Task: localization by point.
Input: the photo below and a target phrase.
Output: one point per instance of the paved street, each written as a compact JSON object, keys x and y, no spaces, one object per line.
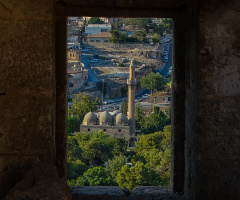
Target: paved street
{"x":92,"y":77}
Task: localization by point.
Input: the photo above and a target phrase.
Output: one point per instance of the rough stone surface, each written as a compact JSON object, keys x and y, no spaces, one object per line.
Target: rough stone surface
{"x":116,"y":193}
{"x":41,"y":182}
{"x":154,"y":193}
{"x":97,"y":193}
{"x":206,"y":88}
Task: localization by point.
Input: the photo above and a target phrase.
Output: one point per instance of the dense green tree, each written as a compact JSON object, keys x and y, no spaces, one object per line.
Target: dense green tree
{"x":140,"y":23}
{"x":82,"y":104}
{"x":118,"y":37}
{"x":124,"y":106}
{"x":164,"y":27}
{"x":139,"y":115}
{"x":97,"y":148}
{"x":153,"y":81}
{"x":155,"y":38}
{"x":139,"y":175}
{"x":98,"y":176}
{"x":95,"y":20}
{"x":120,"y":146}
{"x":155,"y":151}
{"x":73,"y":124}
{"x":141,"y":36}
{"x":73,"y":149}
{"x":114,"y":165}
{"x":154,"y":122}
{"x":75,"y":169}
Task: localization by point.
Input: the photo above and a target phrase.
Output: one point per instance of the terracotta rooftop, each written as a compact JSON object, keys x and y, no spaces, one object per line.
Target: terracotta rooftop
{"x":100,"y":35}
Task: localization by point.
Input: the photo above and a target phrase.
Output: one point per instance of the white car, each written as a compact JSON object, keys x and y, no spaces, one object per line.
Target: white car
{"x":94,"y":61}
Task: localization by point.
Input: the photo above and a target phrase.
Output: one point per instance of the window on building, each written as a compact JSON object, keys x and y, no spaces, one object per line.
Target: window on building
{"x":97,"y":40}
{"x":88,"y":129}
{"x":119,"y":130}
{"x":104,"y":130}
{"x":105,"y":40}
{"x":91,"y":40}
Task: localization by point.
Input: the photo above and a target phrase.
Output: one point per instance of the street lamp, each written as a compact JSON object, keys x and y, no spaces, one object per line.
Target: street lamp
{"x":102,"y":89}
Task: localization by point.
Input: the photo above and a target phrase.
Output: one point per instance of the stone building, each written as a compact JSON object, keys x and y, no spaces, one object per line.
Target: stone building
{"x":114,"y":124}
{"x":99,"y":38}
{"x":205,"y":97}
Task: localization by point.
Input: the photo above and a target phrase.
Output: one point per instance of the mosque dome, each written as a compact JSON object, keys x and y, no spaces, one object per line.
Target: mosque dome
{"x":121,"y":119}
{"x":105,"y":118}
{"x":90,"y":117}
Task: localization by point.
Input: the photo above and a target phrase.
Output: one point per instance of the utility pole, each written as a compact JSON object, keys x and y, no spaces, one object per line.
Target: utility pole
{"x":151,"y":89}
{"x":102,"y":89}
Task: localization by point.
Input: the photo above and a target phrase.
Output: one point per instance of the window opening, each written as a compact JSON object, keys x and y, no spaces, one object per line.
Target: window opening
{"x":124,"y":75}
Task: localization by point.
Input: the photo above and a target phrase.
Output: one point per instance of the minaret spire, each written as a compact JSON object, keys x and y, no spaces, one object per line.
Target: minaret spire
{"x":131,"y":97}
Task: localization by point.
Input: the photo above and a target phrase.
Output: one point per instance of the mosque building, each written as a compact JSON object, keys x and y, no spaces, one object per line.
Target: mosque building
{"x":115,"y":123}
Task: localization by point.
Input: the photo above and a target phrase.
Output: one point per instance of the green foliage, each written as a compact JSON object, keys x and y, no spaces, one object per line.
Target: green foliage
{"x":155,"y":151}
{"x":97,"y":148}
{"x":114,"y":165}
{"x":164,"y":27}
{"x":140,"y":23}
{"x":140,"y":36}
{"x":153,"y":81}
{"x":150,"y":141}
{"x":139,"y":115}
{"x":97,"y":176}
{"x":139,"y":175}
{"x":73,"y":124}
{"x":82,"y":104}
{"x":124,"y":106}
{"x":155,"y":38}
{"x":154,"y":122}
{"x":118,"y":37}
{"x":95,"y":20}
{"x":73,"y":149}
{"x":120,"y":146}
{"x":75,"y":169}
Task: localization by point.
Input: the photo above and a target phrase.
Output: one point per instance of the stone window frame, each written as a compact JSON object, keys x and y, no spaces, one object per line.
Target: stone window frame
{"x":62,"y":11}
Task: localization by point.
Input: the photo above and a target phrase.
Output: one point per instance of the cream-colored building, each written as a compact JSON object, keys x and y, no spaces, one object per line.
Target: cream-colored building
{"x":99,"y":38}
{"x":114,"y":124}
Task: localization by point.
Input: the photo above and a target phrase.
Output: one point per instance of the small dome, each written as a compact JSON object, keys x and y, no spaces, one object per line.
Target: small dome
{"x":121,"y":118}
{"x":105,"y":118}
{"x":90,"y":117}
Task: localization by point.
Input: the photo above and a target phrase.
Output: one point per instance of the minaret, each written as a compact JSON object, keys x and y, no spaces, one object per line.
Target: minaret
{"x":131,"y":98}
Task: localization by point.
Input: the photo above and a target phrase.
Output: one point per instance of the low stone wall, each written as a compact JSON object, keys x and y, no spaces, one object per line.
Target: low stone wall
{"x":116,"y":193}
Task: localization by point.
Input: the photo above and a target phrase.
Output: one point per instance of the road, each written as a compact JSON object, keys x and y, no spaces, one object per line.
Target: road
{"x":92,"y":77}
{"x":165,"y":70}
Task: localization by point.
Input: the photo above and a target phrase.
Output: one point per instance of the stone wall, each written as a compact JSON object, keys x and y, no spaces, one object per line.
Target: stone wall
{"x":27,"y":89}
{"x":206,"y":90}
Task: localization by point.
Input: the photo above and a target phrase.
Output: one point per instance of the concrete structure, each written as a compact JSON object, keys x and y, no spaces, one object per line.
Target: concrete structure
{"x":99,"y":38}
{"x":76,"y":79}
{"x":97,"y":28}
{"x":205,"y":94}
{"x":131,"y":97}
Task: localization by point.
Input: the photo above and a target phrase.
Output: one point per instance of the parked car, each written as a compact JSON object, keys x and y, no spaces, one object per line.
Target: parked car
{"x":165,"y":60}
{"x":95,"y":56}
{"x":90,"y":49}
{"x":84,"y":50}
{"x":94,"y":61}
